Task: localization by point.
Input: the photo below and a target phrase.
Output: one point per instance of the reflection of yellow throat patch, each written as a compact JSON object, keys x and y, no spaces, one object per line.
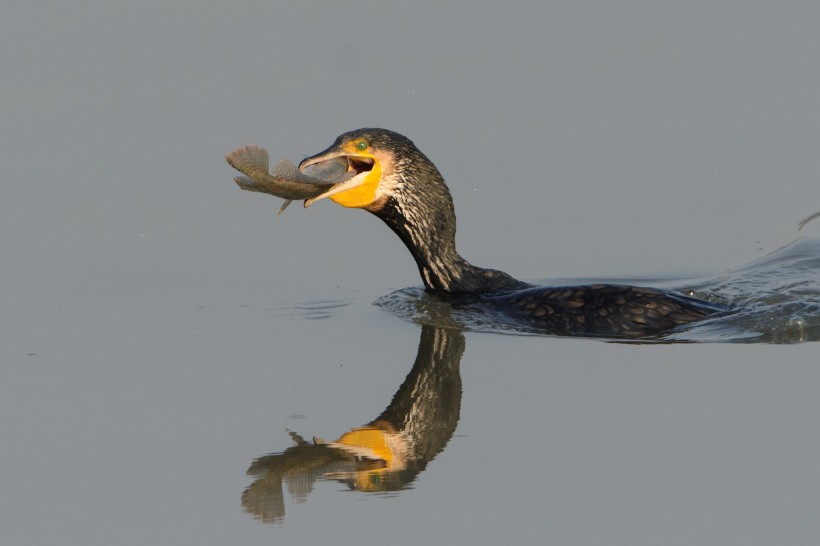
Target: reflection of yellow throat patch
{"x":363,"y":195}
{"x":372,"y":440}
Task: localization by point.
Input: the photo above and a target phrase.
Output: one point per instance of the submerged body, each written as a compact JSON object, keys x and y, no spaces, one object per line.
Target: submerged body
{"x":391,"y":178}
{"x":600,"y":309}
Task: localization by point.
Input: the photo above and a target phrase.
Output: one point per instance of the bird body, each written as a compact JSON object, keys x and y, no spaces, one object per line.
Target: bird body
{"x":601,"y":309}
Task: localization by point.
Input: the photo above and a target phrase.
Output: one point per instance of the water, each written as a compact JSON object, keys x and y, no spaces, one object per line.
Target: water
{"x":778,"y":297}
{"x":162,"y":332}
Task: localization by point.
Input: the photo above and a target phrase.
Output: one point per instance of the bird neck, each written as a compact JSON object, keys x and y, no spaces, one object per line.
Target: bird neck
{"x":425,"y":221}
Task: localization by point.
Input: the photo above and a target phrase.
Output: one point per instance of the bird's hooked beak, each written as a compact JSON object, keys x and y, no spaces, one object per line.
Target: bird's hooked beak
{"x":358,"y":184}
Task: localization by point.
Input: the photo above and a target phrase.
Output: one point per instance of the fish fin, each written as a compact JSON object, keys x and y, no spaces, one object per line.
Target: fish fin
{"x":249,"y":160}
{"x":284,"y":206}
{"x":285,"y":168}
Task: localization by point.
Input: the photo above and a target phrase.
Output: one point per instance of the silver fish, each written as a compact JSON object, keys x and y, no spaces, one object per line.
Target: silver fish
{"x":286,"y":181}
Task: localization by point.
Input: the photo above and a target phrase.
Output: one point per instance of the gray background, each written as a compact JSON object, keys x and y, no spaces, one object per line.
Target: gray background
{"x":152,"y":337}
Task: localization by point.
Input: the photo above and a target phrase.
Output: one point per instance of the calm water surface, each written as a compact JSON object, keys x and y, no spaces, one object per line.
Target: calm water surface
{"x":178,"y":416}
{"x":178,"y":366}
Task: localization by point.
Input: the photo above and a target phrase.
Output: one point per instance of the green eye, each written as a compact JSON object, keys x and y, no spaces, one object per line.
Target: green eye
{"x":362,"y":145}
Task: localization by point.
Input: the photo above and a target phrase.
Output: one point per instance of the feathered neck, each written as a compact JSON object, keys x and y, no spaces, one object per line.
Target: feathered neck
{"x":420,"y":210}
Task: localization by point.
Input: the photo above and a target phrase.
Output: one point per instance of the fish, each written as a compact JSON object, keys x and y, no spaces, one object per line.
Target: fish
{"x":286,"y":180}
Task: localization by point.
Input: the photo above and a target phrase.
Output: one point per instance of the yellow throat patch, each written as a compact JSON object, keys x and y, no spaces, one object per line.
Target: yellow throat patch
{"x":364,"y":194}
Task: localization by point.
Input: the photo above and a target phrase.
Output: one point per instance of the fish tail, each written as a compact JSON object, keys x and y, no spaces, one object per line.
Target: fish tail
{"x":250,"y":160}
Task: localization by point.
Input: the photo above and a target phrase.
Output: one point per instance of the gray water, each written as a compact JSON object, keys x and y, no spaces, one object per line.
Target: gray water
{"x":165,"y":338}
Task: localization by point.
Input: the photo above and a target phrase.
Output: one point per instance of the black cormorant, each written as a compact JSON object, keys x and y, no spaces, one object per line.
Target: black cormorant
{"x":395,"y":181}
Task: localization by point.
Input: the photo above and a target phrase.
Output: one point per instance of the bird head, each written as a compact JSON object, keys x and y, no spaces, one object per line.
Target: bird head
{"x":376,"y":159}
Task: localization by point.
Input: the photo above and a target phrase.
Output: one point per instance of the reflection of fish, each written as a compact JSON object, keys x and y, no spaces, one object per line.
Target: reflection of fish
{"x":286,"y":181}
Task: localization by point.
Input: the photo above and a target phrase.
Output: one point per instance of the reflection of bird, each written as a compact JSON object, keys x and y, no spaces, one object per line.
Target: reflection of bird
{"x":383,"y":455}
{"x":399,"y":184}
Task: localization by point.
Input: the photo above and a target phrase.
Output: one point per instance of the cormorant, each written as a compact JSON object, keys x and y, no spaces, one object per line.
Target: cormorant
{"x":395,"y":181}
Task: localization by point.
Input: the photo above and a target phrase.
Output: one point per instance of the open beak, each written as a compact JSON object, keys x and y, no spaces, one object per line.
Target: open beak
{"x":327,"y":164}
